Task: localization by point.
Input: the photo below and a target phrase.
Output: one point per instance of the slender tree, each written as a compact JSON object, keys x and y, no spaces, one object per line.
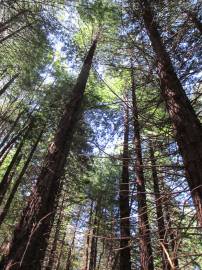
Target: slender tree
{"x":146,"y":256}
{"x":187,"y":128}
{"x":31,"y":234}
{"x":159,"y":211}
{"x":7,"y":205}
{"x":5,"y":182}
{"x":124,"y":203}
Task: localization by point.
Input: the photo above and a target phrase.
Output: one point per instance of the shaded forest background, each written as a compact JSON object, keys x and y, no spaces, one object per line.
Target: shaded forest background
{"x":100,"y":138}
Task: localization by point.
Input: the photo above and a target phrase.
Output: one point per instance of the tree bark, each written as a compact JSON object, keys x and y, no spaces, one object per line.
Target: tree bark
{"x":146,"y":256}
{"x":187,"y":128}
{"x":19,"y":179}
{"x":171,"y":233}
{"x":159,"y":211}
{"x":31,"y":234}
{"x":56,"y":236}
{"x":124,"y":204}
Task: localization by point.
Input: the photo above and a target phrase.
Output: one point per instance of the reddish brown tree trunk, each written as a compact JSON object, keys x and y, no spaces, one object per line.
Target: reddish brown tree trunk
{"x":18,"y":180}
{"x":187,"y":128}
{"x":31,"y":234}
{"x":146,"y":256}
{"x":171,"y":233}
{"x":159,"y":211}
{"x":51,"y":259}
{"x":124,"y":200}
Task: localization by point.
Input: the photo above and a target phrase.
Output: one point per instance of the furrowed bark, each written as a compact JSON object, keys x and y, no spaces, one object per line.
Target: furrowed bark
{"x":31,"y":234}
{"x":187,"y":127}
{"x":51,"y":260}
{"x":159,"y":210}
{"x":146,"y":256}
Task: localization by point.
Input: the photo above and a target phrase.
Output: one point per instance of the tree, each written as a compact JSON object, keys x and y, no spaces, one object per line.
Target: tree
{"x":124,"y":201}
{"x":181,"y":113}
{"x":40,"y":209}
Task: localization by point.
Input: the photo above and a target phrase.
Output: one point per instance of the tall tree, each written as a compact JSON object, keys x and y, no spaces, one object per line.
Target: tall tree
{"x":124,"y":200}
{"x":187,"y":128}
{"x":146,"y":256}
{"x":31,"y":234}
{"x":159,"y":210}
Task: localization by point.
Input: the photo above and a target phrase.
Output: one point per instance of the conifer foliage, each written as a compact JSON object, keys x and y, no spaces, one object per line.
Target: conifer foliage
{"x":100,"y":135}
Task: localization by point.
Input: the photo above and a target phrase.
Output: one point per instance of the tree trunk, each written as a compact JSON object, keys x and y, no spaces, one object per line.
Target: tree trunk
{"x":12,"y":141}
{"x":56,"y":236}
{"x":171,"y":233}
{"x":93,"y":249}
{"x":5,"y":183}
{"x":125,"y":256}
{"x":5,"y":139}
{"x":8,"y":84}
{"x":187,"y":128}
{"x":88,"y":238}
{"x":4,"y":25}
{"x":19,"y":179}
{"x":31,"y":234}
{"x":159,"y":211}
{"x":146,"y":256}
{"x":15,"y":32}
{"x":71,"y":247}
{"x":61,"y":252}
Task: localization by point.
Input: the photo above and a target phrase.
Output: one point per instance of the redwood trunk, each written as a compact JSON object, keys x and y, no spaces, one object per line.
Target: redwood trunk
{"x":159,"y":211}
{"x":146,"y":256}
{"x":125,"y":256}
{"x":31,"y":234}
{"x":52,"y":254}
{"x":187,"y":128}
{"x":171,"y":233}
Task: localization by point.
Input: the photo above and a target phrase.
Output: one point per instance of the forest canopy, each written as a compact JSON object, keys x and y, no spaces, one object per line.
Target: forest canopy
{"x":101,"y":135}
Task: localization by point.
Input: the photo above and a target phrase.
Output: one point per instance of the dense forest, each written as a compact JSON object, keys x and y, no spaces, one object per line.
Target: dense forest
{"x":100,"y":138}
